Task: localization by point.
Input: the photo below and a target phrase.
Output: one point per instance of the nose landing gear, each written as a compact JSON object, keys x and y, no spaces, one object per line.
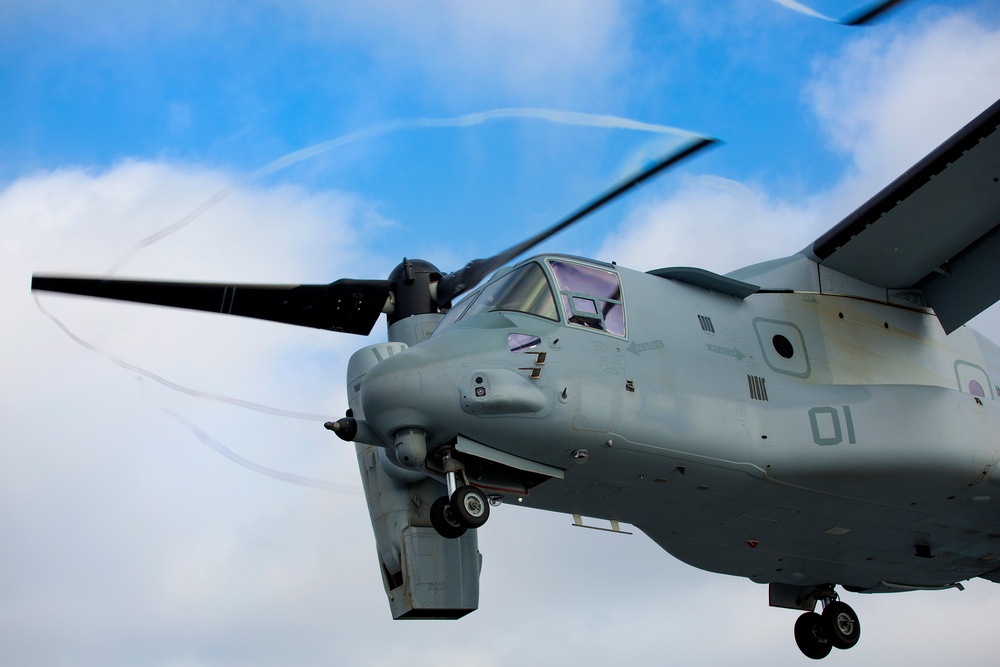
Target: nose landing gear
{"x":471,"y":506}
{"x":837,"y":627}
{"x":445,"y":520}
{"x":810,"y":636}
{"x":464,"y":507}
{"x":842,"y":625}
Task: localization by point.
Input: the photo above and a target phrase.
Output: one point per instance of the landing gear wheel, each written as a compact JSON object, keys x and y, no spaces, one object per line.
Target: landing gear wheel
{"x":841,"y":625}
{"x":444,"y":520}
{"x":470,"y":506}
{"x":810,"y":636}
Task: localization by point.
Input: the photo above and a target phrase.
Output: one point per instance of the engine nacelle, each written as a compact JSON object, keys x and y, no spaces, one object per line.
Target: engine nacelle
{"x":425,"y":575}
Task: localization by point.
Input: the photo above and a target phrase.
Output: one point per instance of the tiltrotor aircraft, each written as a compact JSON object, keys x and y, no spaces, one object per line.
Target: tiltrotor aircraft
{"x":821,"y":420}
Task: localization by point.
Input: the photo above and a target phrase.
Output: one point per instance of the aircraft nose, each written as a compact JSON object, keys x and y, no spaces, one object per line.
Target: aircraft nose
{"x":408,"y":391}
{"x":421,"y":397}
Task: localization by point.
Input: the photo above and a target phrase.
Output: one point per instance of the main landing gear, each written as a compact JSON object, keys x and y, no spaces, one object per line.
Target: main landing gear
{"x":464,"y":507}
{"x":837,"y":627}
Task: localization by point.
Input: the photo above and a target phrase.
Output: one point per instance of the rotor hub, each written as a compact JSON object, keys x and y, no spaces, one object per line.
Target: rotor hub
{"x":414,"y":285}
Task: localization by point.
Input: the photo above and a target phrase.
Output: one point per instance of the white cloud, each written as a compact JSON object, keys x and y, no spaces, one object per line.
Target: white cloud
{"x":886,"y":100}
{"x":123,"y":535}
{"x":889,"y":99}
{"x":117,"y":22}
{"x":540,"y":50}
{"x":545,"y":51}
{"x":711,"y":223}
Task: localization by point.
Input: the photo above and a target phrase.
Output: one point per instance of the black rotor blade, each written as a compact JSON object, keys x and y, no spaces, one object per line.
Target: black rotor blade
{"x":466,"y":278}
{"x":871,"y":13}
{"x":350,"y":306}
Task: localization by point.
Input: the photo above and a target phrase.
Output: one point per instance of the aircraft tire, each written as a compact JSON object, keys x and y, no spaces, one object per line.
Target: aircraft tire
{"x":842,"y":626}
{"x":470,"y":506}
{"x":444,"y":520}
{"x":810,"y":636}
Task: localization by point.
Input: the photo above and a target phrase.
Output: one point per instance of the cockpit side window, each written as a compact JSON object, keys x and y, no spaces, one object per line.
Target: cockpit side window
{"x":526,"y":289}
{"x":592,"y":297}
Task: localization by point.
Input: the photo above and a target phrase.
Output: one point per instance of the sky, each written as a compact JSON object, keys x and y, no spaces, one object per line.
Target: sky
{"x":128,"y":532}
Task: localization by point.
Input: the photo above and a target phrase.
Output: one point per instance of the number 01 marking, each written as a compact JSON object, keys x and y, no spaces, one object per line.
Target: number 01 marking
{"x":825,"y":422}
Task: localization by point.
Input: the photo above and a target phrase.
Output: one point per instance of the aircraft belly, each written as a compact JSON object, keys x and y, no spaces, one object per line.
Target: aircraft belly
{"x":910,"y":496}
{"x":813,"y":547}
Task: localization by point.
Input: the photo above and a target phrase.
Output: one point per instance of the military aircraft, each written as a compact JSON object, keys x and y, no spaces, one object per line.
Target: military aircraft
{"x":815,"y":421}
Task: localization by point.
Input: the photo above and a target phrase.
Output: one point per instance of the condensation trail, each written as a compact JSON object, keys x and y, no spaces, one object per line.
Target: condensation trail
{"x":550,"y":115}
{"x":204,"y":437}
{"x":217,"y":446}
{"x":802,"y":9}
{"x":220,"y":398}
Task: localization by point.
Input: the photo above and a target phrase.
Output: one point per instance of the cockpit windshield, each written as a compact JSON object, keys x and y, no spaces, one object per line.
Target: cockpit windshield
{"x":523,"y":290}
{"x":456,"y":312}
{"x":591,"y":297}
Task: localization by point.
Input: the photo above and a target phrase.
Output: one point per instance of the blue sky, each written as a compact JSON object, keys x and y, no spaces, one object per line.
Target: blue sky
{"x":127,"y":540}
{"x":235,"y":86}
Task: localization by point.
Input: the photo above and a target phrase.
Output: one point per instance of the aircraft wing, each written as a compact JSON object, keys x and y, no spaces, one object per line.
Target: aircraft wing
{"x":936,"y":228}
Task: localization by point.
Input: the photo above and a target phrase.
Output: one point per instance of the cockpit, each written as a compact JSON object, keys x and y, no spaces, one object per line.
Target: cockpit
{"x":553,"y":288}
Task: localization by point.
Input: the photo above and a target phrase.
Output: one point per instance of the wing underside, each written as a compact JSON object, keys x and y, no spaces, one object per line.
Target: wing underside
{"x":936,"y":228}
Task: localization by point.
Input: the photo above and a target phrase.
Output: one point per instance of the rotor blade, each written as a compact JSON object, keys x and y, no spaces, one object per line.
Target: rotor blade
{"x":466,"y":278}
{"x":350,"y":306}
{"x":871,"y":13}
